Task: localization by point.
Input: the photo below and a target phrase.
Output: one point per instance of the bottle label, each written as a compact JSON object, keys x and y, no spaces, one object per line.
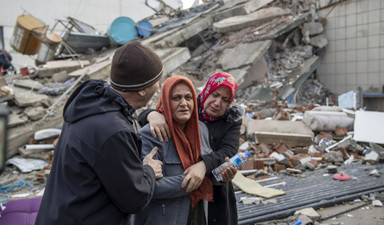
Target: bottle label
{"x":237,"y":163}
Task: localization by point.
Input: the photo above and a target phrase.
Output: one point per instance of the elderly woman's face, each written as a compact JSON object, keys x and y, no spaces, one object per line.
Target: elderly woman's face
{"x":217,"y":102}
{"x":181,"y":104}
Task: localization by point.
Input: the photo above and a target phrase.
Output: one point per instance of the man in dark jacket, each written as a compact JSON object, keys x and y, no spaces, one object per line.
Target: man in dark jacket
{"x":97,"y":175}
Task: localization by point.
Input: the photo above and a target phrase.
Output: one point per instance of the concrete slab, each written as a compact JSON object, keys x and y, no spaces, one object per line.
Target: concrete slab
{"x":256,"y":74}
{"x":297,"y":78}
{"x":291,"y":133}
{"x":176,"y":36}
{"x":253,"y":19}
{"x":319,"y":41}
{"x":20,"y":135}
{"x":15,"y":120}
{"x":173,"y":58}
{"x":327,"y":121}
{"x":94,"y":71}
{"x":250,"y":54}
{"x":51,"y":67}
{"x":30,"y":99}
{"x":35,"y":113}
{"x":313,"y":28}
{"x":29,"y":84}
{"x":240,"y":9}
{"x":282,"y":26}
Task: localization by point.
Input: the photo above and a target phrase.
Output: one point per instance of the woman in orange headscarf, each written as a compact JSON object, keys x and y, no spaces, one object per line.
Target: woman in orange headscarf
{"x":223,"y":120}
{"x":171,"y":203}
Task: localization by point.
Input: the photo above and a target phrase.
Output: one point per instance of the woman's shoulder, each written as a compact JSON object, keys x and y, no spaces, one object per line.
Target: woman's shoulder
{"x":145,"y":134}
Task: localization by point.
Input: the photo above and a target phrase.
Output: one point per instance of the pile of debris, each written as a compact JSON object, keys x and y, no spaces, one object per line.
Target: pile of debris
{"x":272,"y":48}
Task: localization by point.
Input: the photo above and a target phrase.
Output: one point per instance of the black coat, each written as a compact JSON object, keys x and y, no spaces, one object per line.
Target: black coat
{"x":224,"y":135}
{"x":97,"y":176}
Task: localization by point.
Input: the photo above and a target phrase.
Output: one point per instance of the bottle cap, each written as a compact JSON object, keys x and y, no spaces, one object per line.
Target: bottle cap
{"x":247,"y":153}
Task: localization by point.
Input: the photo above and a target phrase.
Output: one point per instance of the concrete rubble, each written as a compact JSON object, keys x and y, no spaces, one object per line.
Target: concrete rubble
{"x":292,"y":124}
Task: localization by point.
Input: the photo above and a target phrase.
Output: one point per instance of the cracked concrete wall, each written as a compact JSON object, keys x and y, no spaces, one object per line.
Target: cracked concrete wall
{"x":355,"y":53}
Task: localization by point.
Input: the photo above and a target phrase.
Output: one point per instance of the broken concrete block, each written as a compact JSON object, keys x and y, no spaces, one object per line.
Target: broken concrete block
{"x":277,"y":156}
{"x":291,"y":133}
{"x":319,"y":41}
{"x":60,"y":76}
{"x":56,"y":66}
{"x":308,"y":51}
{"x":327,"y":121}
{"x":347,"y":100}
{"x":16,"y":120}
{"x":333,"y":157}
{"x":372,"y":157}
{"x":245,"y":146}
{"x":30,"y":99}
{"x":299,"y":159}
{"x":259,"y":92}
{"x":94,"y":71}
{"x":313,"y":28}
{"x":256,"y":18}
{"x":35,"y":113}
{"x":310,"y":212}
{"x":250,"y":53}
{"x":328,"y":109}
{"x":29,"y":84}
{"x":255,"y":75}
{"x":172,"y":58}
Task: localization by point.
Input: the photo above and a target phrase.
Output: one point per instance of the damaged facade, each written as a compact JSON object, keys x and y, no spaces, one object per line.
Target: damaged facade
{"x":278,"y":53}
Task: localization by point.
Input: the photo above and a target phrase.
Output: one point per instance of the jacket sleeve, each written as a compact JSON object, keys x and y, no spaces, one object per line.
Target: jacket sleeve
{"x":129,"y":184}
{"x":228,"y":146}
{"x":167,"y":186}
{"x":170,"y":187}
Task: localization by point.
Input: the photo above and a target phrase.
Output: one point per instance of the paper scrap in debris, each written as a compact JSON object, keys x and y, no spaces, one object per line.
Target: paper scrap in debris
{"x":252,"y":187}
{"x":367,"y":127}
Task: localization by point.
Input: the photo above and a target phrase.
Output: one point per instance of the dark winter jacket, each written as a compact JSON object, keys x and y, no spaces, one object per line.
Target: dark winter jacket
{"x":97,"y":176}
{"x":224,"y":135}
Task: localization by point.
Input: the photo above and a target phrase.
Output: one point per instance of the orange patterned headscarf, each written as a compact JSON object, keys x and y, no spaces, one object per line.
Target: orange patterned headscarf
{"x":187,"y":143}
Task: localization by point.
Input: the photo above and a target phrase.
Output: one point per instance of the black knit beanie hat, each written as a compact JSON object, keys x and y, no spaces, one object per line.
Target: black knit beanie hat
{"x":134,"y":67}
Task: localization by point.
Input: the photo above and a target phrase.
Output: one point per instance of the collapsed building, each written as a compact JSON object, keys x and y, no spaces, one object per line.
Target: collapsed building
{"x":292,"y":126}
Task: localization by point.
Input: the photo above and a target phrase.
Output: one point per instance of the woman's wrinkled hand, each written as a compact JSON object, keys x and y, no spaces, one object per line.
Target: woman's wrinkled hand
{"x":158,"y":126}
{"x":195,"y":176}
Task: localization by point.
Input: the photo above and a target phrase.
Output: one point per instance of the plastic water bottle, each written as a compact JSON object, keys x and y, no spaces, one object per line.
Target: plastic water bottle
{"x":237,"y":161}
